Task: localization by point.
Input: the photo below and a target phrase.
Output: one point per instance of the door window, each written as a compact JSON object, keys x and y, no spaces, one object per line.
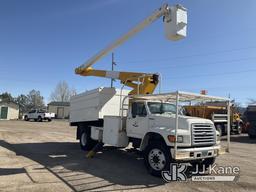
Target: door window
{"x":41,"y":111}
{"x":32,"y":111}
{"x":139,"y":109}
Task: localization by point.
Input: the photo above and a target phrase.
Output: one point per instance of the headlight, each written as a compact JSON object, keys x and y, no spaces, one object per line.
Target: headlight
{"x":172,"y":138}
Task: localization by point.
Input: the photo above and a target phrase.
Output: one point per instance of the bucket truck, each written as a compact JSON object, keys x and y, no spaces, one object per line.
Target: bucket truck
{"x":153,"y":123}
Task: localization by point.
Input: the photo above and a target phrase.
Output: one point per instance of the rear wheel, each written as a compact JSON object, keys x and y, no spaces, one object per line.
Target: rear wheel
{"x":39,"y":119}
{"x":49,"y":119}
{"x":157,"y":157}
{"x":86,"y":143}
{"x":26,"y":118}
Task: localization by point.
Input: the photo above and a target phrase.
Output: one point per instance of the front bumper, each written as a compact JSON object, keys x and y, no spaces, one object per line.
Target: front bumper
{"x":196,"y":153}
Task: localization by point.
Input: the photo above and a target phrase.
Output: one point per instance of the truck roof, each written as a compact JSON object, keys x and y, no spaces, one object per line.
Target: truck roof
{"x":183,"y":97}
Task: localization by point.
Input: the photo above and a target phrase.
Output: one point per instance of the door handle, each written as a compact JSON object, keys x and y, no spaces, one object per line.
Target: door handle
{"x":151,"y":118}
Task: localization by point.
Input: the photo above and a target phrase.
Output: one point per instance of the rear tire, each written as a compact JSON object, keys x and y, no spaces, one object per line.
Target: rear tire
{"x":39,"y":119}
{"x":26,"y":118}
{"x":86,"y":143}
{"x":49,"y":120}
{"x":157,"y":157}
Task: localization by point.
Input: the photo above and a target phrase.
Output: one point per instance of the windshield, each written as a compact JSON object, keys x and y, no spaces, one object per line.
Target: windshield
{"x":159,"y":108}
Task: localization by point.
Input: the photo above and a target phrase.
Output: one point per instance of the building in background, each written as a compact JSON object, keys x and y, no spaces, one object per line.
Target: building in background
{"x":61,"y":109}
{"x":8,"y":110}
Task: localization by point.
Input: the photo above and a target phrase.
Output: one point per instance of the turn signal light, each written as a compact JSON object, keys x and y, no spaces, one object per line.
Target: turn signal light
{"x":172,"y":138}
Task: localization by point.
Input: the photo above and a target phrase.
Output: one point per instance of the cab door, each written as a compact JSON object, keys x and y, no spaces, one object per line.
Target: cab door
{"x":31,"y":114}
{"x":137,"y":121}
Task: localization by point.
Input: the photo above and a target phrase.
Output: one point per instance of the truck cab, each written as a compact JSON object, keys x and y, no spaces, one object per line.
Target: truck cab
{"x":159,"y":117}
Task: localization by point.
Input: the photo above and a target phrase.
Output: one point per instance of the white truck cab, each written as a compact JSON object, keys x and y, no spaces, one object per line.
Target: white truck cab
{"x":110,"y":116}
{"x":159,"y":117}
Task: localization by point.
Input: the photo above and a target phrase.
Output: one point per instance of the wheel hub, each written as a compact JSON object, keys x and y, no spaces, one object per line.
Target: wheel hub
{"x":156,"y":159}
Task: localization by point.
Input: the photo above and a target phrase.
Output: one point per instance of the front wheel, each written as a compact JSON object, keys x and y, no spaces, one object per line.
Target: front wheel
{"x":157,"y":157}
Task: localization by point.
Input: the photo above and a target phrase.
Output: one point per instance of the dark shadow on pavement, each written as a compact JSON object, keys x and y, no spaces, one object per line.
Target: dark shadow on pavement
{"x":244,"y":138}
{"x":124,"y":169}
{"x":11,"y":171}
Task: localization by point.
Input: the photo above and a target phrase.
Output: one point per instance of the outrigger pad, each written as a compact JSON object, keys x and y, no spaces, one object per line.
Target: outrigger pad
{"x":95,"y":149}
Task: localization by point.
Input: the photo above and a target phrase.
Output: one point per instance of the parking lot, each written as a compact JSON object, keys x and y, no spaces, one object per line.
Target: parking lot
{"x":46,"y":157}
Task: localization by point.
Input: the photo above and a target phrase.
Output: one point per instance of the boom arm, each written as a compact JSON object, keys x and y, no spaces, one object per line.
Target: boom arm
{"x":175,"y":19}
{"x":142,"y":83}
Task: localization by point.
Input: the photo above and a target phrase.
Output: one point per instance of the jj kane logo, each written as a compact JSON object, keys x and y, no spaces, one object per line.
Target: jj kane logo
{"x":178,"y":172}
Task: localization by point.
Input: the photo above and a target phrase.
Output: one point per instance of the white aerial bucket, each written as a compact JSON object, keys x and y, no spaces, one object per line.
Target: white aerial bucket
{"x":175,"y":23}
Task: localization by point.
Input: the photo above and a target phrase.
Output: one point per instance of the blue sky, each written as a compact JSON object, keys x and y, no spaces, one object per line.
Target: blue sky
{"x":42,"y":42}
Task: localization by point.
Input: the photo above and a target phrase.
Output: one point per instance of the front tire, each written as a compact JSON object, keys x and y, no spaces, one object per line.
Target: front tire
{"x":157,"y":157}
{"x":86,"y":143}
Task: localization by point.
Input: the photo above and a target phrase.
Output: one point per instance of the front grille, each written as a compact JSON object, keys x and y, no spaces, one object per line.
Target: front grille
{"x":203,"y":134}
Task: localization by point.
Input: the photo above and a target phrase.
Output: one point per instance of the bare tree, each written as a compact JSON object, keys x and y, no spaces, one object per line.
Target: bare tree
{"x":62,"y":92}
{"x":72,"y":91}
{"x":237,"y":107}
{"x":23,"y":102}
{"x":35,"y":100}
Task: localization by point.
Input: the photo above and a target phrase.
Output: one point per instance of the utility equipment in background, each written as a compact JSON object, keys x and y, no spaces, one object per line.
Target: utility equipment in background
{"x":217,"y":112}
